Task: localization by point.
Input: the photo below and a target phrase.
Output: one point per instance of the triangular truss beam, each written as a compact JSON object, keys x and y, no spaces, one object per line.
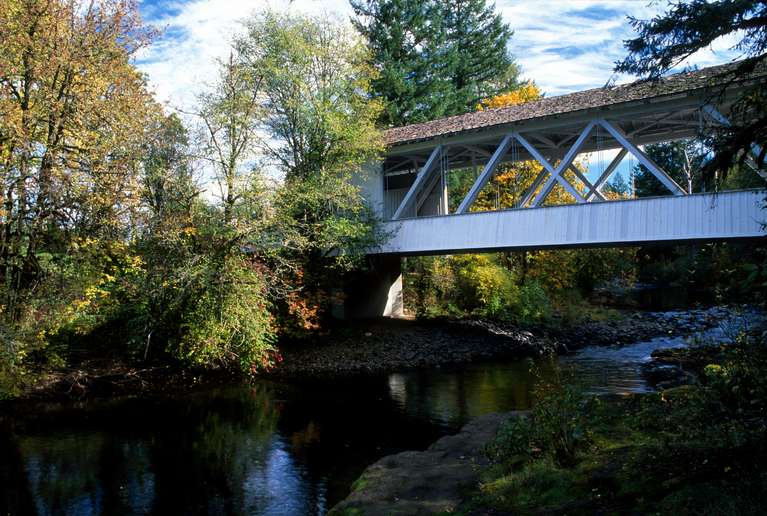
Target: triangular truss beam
{"x":547,"y":178}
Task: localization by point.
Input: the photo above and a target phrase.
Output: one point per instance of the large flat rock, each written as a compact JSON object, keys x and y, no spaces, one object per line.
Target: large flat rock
{"x":429,"y":482}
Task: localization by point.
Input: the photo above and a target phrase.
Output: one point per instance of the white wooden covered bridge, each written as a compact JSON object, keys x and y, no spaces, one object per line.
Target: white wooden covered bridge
{"x":409,"y":190}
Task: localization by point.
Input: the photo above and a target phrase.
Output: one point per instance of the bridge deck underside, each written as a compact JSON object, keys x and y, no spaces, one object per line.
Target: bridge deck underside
{"x":698,"y":217}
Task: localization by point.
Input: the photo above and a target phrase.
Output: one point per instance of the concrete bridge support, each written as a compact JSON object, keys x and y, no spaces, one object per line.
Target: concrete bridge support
{"x":374,"y":292}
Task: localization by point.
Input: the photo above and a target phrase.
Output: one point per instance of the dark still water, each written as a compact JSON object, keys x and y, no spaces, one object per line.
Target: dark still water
{"x":270,"y":448}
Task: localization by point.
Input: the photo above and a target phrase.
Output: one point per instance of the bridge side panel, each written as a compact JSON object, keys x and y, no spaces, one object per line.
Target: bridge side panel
{"x":370,"y":182}
{"x":697,"y":217}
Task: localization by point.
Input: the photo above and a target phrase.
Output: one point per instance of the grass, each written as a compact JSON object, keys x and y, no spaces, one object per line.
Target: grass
{"x":694,"y":449}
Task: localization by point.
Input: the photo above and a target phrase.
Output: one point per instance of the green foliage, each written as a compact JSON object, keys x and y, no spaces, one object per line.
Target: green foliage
{"x":682,"y":160}
{"x":315,"y":75}
{"x":397,"y":32}
{"x":480,"y":285}
{"x":698,"y":448}
{"x":229,"y":324}
{"x":75,"y":118}
{"x":736,"y":388}
{"x":534,"y":303}
{"x":555,"y":427}
{"x":543,"y":484}
{"x":665,"y":41}
{"x":524,"y":287}
{"x":512,"y":444}
{"x":324,"y":217}
{"x":717,"y":272}
{"x":485,"y":286}
{"x":437,"y":58}
{"x":203,"y":298}
{"x":139,"y":266}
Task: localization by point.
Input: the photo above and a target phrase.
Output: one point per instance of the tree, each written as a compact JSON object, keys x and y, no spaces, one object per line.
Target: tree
{"x":74,"y":118}
{"x":319,"y":122}
{"x":681,"y":159}
{"x":316,"y":77}
{"x":166,"y":241}
{"x":617,"y":187}
{"x":401,"y":36}
{"x":524,"y":92}
{"x":208,"y":294}
{"x":435,"y":58}
{"x":478,"y":63}
{"x":230,"y":113}
{"x":665,"y":41}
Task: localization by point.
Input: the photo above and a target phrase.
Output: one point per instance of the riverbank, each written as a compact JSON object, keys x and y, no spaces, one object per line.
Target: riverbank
{"x":697,"y":448}
{"x":391,"y":345}
{"x":382,"y":346}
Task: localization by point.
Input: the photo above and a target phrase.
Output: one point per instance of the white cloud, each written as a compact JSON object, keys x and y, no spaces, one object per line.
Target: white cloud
{"x":183,"y":61}
{"x":567,"y":46}
{"x":563,"y":45}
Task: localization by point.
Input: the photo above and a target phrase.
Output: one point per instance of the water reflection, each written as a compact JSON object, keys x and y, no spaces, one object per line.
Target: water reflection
{"x":267,"y":449}
{"x":452,"y":396}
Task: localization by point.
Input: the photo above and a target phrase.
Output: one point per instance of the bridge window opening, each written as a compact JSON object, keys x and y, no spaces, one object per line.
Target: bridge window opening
{"x":599,"y":160}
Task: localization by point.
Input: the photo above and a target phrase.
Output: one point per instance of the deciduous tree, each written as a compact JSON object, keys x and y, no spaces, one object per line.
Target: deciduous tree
{"x":74,"y":118}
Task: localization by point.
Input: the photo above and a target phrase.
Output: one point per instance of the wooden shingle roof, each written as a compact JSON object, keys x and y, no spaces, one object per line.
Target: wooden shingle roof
{"x":582,"y":100}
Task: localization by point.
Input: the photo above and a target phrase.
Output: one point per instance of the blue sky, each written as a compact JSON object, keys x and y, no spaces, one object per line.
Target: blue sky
{"x":563,"y":45}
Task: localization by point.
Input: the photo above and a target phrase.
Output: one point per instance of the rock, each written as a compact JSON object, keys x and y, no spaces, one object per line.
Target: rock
{"x":428,"y":482}
{"x":388,"y":345}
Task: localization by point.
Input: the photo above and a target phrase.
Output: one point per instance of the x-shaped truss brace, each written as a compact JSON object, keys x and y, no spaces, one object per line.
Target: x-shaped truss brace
{"x":555,"y":174}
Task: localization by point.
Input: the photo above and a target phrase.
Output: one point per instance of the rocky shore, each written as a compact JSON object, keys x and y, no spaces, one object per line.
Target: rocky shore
{"x":433,"y":481}
{"x":386,"y":345}
{"x":437,"y":480}
{"x":390,"y":345}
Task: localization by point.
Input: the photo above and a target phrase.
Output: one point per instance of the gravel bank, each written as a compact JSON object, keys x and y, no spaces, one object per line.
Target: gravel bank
{"x":390,"y":345}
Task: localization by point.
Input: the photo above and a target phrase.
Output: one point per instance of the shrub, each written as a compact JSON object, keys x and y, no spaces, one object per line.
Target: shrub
{"x":556,"y":426}
{"x":534,"y":303}
{"x":230,"y":324}
{"x":486,"y":288}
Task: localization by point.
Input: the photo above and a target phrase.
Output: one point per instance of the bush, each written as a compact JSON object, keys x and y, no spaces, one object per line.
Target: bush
{"x":534,"y":304}
{"x":555,"y":428}
{"x":481,"y":285}
{"x":485,"y":288}
{"x":230,"y":324}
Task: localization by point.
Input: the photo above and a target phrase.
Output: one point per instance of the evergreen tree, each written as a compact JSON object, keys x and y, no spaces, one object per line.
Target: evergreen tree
{"x":617,"y":186}
{"x":435,"y":58}
{"x":681,"y":159}
{"x":665,"y":41}
{"x":401,"y":35}
{"x":476,"y":55}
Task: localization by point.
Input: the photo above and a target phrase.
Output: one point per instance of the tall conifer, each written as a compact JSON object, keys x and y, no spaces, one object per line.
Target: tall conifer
{"x":436,"y":58}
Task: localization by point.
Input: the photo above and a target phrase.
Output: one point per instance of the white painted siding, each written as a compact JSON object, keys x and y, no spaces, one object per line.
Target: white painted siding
{"x":727,"y":215}
{"x":370,"y":182}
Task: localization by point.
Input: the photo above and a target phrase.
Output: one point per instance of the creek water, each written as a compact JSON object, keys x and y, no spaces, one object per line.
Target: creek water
{"x":268,"y":448}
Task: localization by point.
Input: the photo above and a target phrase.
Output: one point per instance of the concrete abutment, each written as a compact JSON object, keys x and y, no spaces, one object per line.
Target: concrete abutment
{"x":373,"y":292}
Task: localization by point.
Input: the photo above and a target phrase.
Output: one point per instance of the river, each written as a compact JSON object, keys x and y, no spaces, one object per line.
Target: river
{"x":269,"y":448}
